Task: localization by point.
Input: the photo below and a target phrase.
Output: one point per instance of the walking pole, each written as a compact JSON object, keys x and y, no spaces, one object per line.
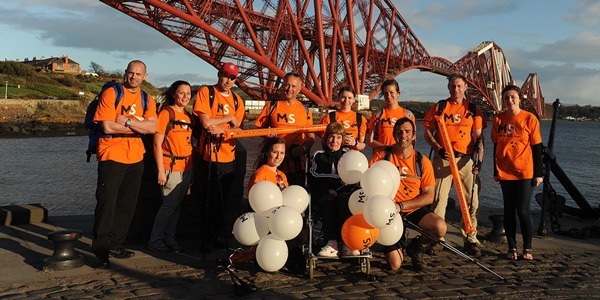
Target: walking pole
{"x":206,"y":201}
{"x":448,"y":246}
{"x":220,"y":192}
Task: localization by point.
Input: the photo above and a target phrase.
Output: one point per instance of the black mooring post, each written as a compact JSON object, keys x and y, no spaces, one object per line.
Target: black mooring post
{"x":542,"y":229}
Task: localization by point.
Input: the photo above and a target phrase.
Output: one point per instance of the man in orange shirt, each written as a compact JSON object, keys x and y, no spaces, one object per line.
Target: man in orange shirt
{"x":225,"y":110}
{"x":289,"y":112}
{"x":413,"y":197}
{"x":465,"y":129}
{"x":120,"y":166}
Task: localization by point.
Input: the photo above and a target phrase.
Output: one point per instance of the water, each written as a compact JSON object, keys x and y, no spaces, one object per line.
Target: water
{"x":53,"y":171}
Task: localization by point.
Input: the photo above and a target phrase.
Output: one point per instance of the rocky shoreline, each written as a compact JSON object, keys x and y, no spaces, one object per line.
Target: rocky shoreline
{"x":36,"y":128}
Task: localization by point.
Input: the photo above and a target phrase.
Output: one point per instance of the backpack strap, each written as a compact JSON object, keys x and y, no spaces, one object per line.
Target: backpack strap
{"x":472,"y":108}
{"x":332,"y":116}
{"x":378,"y":114}
{"x":358,"y":123}
{"x":440,"y":107}
{"x":409,"y":114}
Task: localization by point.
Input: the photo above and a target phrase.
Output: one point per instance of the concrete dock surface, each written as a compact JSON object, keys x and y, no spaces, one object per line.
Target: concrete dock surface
{"x":563,"y":267}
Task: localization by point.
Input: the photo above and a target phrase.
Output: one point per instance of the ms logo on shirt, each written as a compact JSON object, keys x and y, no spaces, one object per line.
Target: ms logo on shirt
{"x":128,"y":110}
{"x":288,"y":119}
{"x":507,"y":129}
{"x":224,"y":108}
{"x":456,"y":118}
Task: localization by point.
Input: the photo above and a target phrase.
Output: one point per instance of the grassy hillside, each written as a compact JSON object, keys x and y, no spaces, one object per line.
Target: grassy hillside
{"x":25,"y":83}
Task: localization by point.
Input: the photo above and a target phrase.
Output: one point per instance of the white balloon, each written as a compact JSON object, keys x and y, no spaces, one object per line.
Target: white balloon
{"x":393,"y":233}
{"x":271,"y":254}
{"x":285,"y":223}
{"x":377,"y":181}
{"x":264,"y":195}
{"x":379,"y":211}
{"x":394,"y":172}
{"x":296,"y":197}
{"x":249,"y":228}
{"x":351,"y":166}
{"x":356,"y":202}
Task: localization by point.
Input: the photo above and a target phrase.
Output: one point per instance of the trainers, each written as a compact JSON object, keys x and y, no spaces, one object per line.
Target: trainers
{"x":173,"y":246}
{"x":472,"y":248}
{"x":328,"y":251}
{"x":158,"y":246}
{"x":346,"y":251}
{"x":121,"y":253}
{"x":416,"y":252}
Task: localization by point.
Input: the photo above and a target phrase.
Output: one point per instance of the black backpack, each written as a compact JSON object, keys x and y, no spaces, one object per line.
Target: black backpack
{"x":358,"y":120}
{"x":95,"y":130}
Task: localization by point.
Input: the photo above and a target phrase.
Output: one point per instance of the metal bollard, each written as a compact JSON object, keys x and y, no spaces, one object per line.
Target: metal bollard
{"x":64,"y":257}
{"x":497,"y":235}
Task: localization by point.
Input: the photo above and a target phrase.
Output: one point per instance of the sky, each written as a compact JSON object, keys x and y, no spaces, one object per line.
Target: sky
{"x":557,"y":39}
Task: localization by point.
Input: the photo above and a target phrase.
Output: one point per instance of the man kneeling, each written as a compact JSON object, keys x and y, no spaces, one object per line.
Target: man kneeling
{"x":413,"y":197}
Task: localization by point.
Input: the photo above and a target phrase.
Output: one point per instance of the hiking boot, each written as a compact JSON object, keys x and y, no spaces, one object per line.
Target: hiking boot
{"x":472,"y":248}
{"x":416,"y":252}
{"x":158,"y":246}
{"x":173,"y":246}
{"x":121,"y":253}
{"x":435,"y":249}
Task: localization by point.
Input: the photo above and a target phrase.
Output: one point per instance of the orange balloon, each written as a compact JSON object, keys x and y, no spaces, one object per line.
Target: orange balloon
{"x":358,"y":234}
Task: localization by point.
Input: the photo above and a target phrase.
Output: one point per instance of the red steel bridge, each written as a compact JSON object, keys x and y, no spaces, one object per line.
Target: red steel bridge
{"x":330,"y":43}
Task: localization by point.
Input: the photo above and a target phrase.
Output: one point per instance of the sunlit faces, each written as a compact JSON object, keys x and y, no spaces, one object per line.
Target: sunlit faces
{"x":276,"y":155}
{"x":457,"y":88}
{"x":225,"y":83}
{"x":182,"y":95}
{"x":511,"y":99}
{"x":405,"y":136}
{"x":390,"y":94}
{"x":335,"y":141}
{"x":291,"y":87}
{"x":346,"y":100}
{"x":135,"y":74}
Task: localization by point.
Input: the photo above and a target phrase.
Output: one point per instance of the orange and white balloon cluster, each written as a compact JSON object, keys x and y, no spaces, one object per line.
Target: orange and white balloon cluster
{"x":374,"y":216}
{"x":276,"y":219}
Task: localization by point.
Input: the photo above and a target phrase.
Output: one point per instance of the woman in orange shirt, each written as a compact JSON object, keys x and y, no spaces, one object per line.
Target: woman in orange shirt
{"x":270,"y":157}
{"x":354,"y":123}
{"x":518,"y":166}
{"x":173,"y":156}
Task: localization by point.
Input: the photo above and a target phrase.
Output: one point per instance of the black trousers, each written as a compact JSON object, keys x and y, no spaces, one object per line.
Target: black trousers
{"x":213,"y":195}
{"x":517,"y":200}
{"x":117,"y":193}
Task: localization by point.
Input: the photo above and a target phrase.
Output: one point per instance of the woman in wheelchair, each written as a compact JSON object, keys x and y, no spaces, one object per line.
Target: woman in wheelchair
{"x":329,"y":194}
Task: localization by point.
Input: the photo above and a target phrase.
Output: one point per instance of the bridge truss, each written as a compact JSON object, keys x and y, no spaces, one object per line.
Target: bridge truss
{"x":330,"y":43}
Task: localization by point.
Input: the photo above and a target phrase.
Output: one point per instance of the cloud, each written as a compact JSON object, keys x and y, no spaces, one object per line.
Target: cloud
{"x":63,"y":24}
{"x":582,"y":48}
{"x":586,"y":13}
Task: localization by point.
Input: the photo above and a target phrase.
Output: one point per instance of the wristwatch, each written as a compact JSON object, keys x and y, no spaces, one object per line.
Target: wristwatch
{"x":128,"y":123}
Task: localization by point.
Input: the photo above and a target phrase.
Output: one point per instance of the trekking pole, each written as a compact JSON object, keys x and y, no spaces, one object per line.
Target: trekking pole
{"x":448,"y":246}
{"x":205,"y":230}
{"x":220,"y":195}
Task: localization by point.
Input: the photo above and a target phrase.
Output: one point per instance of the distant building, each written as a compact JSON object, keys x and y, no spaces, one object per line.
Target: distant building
{"x":54,"y":64}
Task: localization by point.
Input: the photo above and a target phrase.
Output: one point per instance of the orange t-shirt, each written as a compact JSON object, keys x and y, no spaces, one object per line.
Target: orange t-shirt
{"x":222,"y":106}
{"x":264,"y":173}
{"x":348,"y":120}
{"x":459,"y":123}
{"x":410,"y":187}
{"x":383,"y":127}
{"x":123,"y":150}
{"x":514,"y":136}
{"x":179,"y":139}
{"x":286,"y":115}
